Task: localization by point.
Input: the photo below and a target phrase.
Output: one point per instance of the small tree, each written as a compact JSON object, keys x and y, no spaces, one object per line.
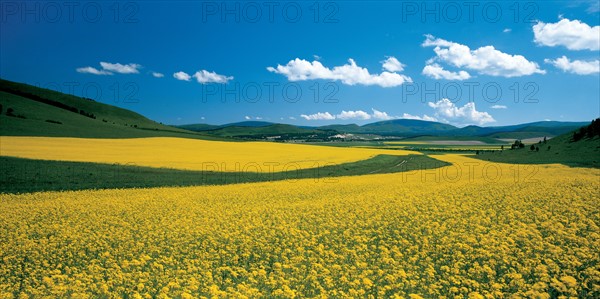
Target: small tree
{"x":517,"y":144}
{"x":502,"y":147}
{"x":582,"y":132}
{"x":537,"y":149}
{"x":589,"y":131}
{"x":532,"y":147}
{"x":545,"y":140}
{"x":548,"y":147}
{"x":10,"y":111}
{"x":0,"y":108}
{"x":594,"y":128}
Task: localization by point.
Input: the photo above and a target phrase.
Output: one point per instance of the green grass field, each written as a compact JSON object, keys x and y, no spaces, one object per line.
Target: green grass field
{"x":429,"y":144}
{"x":560,"y":149}
{"x":25,"y":175}
{"x":446,"y":147}
{"x":437,"y":139}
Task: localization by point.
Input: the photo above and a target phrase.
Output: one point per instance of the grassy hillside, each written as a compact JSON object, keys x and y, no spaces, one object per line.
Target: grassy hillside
{"x":406,"y":126}
{"x":397,"y":127}
{"x":258,"y":130}
{"x":198,"y":127}
{"x":537,"y":131}
{"x":560,"y":149}
{"x":521,"y":131}
{"x":522,"y":135}
{"x":352,"y":128}
{"x":249,"y":125}
{"x":271,"y":130}
{"x":43,"y":112}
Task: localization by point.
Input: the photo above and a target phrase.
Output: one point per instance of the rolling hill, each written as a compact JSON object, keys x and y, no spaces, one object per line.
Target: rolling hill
{"x":407,"y":127}
{"x":198,"y":127}
{"x":271,"y":130}
{"x":242,"y":124}
{"x":561,"y":149}
{"x":396,"y":128}
{"x":521,"y":131}
{"x":351,"y":128}
{"x":42,"y":112}
{"x":258,"y":130}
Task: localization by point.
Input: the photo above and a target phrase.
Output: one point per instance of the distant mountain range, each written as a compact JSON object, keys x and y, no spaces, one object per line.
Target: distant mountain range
{"x":397,"y":127}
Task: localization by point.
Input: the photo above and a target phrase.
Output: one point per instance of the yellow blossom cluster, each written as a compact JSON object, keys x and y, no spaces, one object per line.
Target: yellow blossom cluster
{"x":401,"y":235}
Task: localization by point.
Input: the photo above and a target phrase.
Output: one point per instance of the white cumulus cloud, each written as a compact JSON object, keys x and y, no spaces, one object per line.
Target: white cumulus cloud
{"x":359,"y":114}
{"x":183,"y":76}
{"x":204,"y":76}
{"x":579,"y":67}
{"x":574,"y":35}
{"x":108,"y":68}
{"x":349,"y":74}
{"x":467,"y":114}
{"x":391,"y":64}
{"x":381,"y":115}
{"x":318,"y":116}
{"x":485,"y":60}
{"x":93,"y":71}
{"x":131,"y":68}
{"x":499,"y":107}
{"x":348,"y":115}
{"x":157,"y":75}
{"x":437,"y":72}
{"x":424,"y":117}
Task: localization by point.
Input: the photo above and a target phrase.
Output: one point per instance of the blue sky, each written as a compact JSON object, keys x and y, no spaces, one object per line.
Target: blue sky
{"x":314,"y":63}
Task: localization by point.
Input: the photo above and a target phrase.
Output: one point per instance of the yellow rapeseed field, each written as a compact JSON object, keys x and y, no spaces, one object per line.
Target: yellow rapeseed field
{"x":470,"y":230}
{"x":190,"y":154}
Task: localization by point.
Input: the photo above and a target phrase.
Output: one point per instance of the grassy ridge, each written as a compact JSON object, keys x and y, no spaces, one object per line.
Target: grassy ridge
{"x":43,"y":119}
{"x":25,"y":175}
{"x":560,"y":149}
{"x":275,"y":129}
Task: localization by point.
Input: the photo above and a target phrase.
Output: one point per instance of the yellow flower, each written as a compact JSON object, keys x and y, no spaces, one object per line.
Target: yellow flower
{"x":398,"y":235}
